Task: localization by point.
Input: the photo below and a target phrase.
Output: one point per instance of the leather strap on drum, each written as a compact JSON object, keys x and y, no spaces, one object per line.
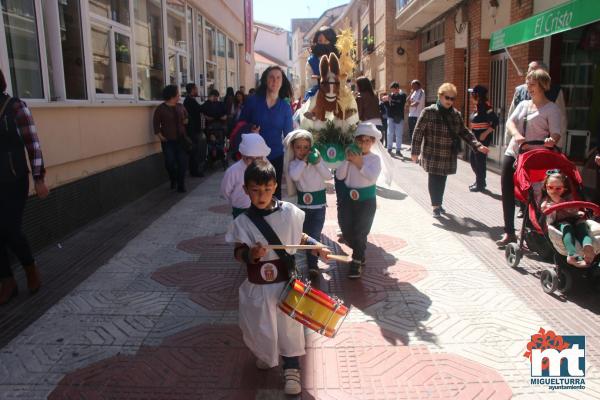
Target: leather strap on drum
{"x":267,"y":272}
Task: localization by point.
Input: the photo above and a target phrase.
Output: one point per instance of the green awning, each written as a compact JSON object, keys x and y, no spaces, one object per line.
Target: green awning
{"x":570,"y":15}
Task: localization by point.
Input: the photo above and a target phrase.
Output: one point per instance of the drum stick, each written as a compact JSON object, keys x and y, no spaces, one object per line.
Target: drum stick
{"x":295,"y":246}
{"x":340,"y":258}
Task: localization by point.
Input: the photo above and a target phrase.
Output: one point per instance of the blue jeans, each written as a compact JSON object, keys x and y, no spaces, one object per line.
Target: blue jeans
{"x":314,"y":219}
{"x":394,"y":131}
{"x":175,"y":162}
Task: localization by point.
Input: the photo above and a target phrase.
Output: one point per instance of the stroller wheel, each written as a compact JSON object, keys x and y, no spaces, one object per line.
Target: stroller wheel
{"x":549,"y":280}
{"x":513,"y":254}
{"x":565,"y":281}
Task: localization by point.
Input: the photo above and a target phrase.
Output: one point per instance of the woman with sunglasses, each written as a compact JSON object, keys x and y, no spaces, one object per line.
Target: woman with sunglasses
{"x":439,"y":129}
{"x":538,"y":119}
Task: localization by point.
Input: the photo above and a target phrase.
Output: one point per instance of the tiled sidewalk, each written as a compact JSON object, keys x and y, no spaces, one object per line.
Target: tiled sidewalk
{"x":432,"y":317}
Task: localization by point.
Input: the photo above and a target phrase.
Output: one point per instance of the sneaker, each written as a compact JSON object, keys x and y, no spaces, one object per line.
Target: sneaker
{"x":437,"y":212}
{"x":475,"y":188}
{"x":292,"y":381}
{"x":576,"y":261}
{"x":355,"y":269}
{"x":389,"y":151}
{"x":442,"y":210}
{"x":263,"y":366}
{"x":506,"y":239}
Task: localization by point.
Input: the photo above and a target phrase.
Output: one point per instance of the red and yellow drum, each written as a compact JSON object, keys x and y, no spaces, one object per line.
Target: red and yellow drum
{"x":313,"y":308}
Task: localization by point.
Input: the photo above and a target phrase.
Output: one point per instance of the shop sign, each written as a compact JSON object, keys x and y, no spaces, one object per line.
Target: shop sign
{"x":564,"y":17}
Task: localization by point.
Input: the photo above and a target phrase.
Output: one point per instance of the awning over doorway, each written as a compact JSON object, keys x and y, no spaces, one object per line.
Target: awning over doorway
{"x":564,"y":17}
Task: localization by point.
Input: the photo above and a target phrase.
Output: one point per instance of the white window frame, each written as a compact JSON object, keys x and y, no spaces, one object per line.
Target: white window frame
{"x":200,"y":69}
{"x":206,"y":61}
{"x":114,"y":27}
{"x":178,"y":51}
{"x":5,"y":64}
{"x":57,"y":56}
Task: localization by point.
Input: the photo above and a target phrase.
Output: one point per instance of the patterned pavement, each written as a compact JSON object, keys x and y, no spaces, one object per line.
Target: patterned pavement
{"x":436,"y":315}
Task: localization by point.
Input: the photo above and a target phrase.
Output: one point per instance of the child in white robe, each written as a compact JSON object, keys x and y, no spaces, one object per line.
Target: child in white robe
{"x":359,"y":172}
{"x":306,"y":174}
{"x":267,"y":331}
{"x":252,"y":147}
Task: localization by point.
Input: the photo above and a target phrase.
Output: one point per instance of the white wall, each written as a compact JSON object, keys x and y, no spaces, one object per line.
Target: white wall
{"x":275,"y":45}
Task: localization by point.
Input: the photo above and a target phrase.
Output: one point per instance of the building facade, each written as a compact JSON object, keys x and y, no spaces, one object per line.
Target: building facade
{"x":454,"y":42}
{"x":300,"y":51}
{"x":272,"y":43}
{"x":92,"y":72}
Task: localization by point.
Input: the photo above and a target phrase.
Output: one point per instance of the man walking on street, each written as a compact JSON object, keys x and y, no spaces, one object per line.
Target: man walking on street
{"x":416,"y":104}
{"x":395,"y":111}
{"x":198,"y":152}
{"x":169,"y":121}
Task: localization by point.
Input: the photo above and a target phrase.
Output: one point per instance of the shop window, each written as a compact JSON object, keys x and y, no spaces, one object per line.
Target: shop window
{"x":149,"y":49}
{"x":114,"y":10}
{"x":221,"y":63}
{"x":23,"y":48}
{"x":178,"y":47}
{"x":211,"y":46}
{"x":71,"y":41}
{"x":101,"y":53}
{"x":190,"y":27}
{"x":221,"y":45}
{"x":230,"y":49}
{"x":200,"y":69}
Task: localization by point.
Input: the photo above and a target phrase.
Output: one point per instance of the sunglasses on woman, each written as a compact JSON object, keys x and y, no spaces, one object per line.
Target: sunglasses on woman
{"x":449,"y":98}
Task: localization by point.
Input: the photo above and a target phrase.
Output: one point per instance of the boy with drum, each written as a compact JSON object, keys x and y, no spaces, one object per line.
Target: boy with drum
{"x":359,"y":172}
{"x":267,"y":331}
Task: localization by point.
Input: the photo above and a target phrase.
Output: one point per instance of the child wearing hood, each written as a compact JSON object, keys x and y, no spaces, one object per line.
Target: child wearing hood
{"x":306,"y":175}
{"x":252,"y":147}
{"x":359,"y":172}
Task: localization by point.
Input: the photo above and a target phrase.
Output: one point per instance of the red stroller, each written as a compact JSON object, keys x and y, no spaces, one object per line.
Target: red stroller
{"x":529,"y":177}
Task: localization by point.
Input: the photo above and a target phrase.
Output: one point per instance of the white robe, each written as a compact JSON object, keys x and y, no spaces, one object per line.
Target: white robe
{"x":232,"y":186}
{"x":267,"y":331}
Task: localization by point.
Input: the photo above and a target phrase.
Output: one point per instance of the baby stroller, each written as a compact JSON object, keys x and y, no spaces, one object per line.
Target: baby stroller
{"x":215,"y":143}
{"x":537,"y":236}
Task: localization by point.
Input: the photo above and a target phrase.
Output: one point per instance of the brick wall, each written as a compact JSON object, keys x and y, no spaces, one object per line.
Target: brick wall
{"x":522,"y":54}
{"x":454,"y":68}
{"x":479,"y":55}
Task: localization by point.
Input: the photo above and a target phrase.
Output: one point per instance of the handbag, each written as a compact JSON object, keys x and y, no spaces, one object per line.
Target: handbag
{"x":288,"y":260}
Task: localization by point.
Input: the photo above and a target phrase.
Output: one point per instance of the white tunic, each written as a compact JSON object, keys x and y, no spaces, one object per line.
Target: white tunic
{"x":309,"y":177}
{"x":267,"y":331}
{"x":360,"y":178}
{"x":232,"y":186}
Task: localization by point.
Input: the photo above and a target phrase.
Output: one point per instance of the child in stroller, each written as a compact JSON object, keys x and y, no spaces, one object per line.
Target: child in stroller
{"x":215,"y":142}
{"x":539,"y":234}
{"x":570,"y":222}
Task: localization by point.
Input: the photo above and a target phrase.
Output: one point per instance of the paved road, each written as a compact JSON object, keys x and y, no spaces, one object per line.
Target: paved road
{"x":436,"y":315}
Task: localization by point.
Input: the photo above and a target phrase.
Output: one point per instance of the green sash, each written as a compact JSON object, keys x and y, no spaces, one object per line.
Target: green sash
{"x":311,"y":198}
{"x":362,"y":194}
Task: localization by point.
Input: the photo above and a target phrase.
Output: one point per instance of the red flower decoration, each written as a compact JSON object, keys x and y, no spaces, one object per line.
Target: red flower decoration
{"x":545,"y":340}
